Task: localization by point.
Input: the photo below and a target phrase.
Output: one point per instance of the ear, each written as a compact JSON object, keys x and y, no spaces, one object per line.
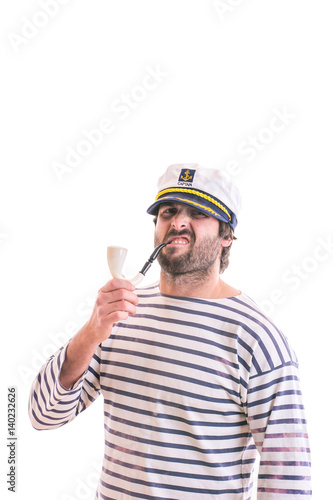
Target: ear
{"x":226,"y":243}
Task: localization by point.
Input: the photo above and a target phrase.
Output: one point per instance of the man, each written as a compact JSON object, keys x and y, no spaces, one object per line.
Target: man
{"x":196,"y":380}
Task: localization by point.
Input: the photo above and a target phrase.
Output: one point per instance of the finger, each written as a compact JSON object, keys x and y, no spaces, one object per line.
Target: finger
{"x":112,"y":318}
{"x":116,"y":284}
{"x":115,"y":296}
{"x":121,"y":305}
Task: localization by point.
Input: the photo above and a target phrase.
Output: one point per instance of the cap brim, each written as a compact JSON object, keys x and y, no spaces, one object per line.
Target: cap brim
{"x":193,"y":201}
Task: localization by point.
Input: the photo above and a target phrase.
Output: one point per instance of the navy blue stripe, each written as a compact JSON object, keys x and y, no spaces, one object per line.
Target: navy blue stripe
{"x":226,"y":319}
{"x":276,"y":381}
{"x":172,"y":486}
{"x":278,"y":421}
{"x":53,"y":410}
{"x":48,"y":424}
{"x":219,"y":305}
{"x":128,"y":493}
{"x":288,"y":421}
{"x":39,"y":378}
{"x":195,"y":352}
{"x":91,"y":398}
{"x":291,"y":363}
{"x":166,"y":389}
{"x":237,"y":311}
{"x":273,"y":396}
{"x":288,"y":407}
{"x":180,"y":335}
{"x":58,"y":401}
{"x":167,"y":319}
{"x":189,"y":409}
{"x":93,"y":387}
{"x":162,"y":472}
{"x":285,"y":476}
{"x":257,"y":311}
{"x":46,"y":382}
{"x":196,"y":437}
{"x":91,"y":369}
{"x":285,"y":491}
{"x":81,"y":406}
{"x":169,"y":375}
{"x":177,"y":446}
{"x":165,"y":416}
{"x":195,"y":325}
{"x":176,"y":459}
{"x":246,"y":366}
{"x":245,"y":346}
{"x":243,"y":383}
{"x":289,"y":463}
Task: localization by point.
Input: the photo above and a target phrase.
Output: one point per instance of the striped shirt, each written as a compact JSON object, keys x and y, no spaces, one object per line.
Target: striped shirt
{"x":194,"y":391}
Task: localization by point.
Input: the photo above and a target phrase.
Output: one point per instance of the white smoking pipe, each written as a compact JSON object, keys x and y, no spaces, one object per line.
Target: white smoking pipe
{"x":116,"y":258}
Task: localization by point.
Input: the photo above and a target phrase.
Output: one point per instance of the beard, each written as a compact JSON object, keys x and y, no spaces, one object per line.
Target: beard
{"x":197,"y":261}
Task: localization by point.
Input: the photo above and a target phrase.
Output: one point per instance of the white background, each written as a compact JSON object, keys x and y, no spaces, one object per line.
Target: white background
{"x":224,"y":77}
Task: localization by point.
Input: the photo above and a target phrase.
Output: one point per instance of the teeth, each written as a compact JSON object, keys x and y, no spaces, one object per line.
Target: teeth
{"x":181,"y":242}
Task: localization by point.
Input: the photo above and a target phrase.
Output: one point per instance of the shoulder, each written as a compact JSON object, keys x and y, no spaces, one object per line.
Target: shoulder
{"x":269,"y":346}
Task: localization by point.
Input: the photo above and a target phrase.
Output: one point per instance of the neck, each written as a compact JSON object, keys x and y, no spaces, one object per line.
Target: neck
{"x":209,"y":286}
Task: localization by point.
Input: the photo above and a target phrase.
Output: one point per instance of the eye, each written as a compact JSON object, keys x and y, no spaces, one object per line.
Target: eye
{"x":196,"y":214}
{"x":167,"y":212}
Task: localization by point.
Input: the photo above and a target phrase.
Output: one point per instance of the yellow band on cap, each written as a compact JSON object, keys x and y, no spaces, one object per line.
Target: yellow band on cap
{"x":207,"y":209}
{"x":197,"y":193}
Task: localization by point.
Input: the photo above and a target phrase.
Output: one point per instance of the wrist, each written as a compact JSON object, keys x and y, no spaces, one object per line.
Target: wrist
{"x":88,"y":337}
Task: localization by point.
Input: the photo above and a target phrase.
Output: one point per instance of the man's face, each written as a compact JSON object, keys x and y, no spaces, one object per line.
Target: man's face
{"x":195,"y":242}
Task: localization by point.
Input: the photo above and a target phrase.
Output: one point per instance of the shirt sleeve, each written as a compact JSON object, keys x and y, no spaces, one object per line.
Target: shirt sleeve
{"x":51,"y":405}
{"x":276,"y":417}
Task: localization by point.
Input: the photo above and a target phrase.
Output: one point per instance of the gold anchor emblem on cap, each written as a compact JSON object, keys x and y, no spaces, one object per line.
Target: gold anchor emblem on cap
{"x":187,"y":176}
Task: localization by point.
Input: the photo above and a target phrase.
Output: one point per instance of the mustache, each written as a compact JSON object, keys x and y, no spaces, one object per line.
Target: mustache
{"x":173,"y":233}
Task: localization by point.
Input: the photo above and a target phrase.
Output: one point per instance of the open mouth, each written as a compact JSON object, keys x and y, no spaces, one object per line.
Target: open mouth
{"x":178,"y":240}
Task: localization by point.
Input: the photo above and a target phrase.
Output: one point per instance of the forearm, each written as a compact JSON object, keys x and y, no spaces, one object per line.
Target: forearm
{"x":56,"y":394}
{"x":78,"y":356}
{"x":115,"y":301}
{"x":50,"y":404}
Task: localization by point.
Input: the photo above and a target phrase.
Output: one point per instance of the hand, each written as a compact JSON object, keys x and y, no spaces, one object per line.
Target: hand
{"x":115,"y":302}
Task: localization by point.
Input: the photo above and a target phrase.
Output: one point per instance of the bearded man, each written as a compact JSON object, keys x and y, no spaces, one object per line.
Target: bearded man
{"x":197,"y":381}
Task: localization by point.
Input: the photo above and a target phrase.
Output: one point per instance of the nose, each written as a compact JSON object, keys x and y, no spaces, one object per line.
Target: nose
{"x":181,"y":220}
